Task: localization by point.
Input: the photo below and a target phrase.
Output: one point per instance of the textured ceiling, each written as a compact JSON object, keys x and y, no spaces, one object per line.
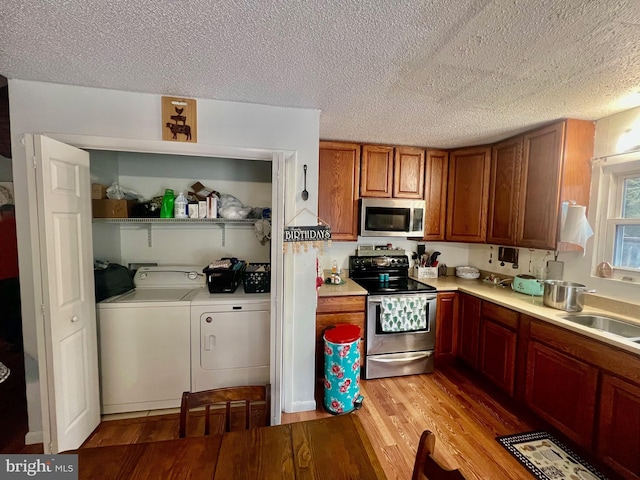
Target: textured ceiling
{"x":441,"y":73}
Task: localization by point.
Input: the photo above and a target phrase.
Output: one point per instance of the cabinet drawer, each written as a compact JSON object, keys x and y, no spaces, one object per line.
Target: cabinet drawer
{"x":606,"y":357}
{"x":353,"y":303}
{"x":501,"y":315}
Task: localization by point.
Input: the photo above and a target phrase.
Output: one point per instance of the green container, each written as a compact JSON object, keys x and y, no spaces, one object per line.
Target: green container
{"x":166,"y":211}
{"x":528,"y":285}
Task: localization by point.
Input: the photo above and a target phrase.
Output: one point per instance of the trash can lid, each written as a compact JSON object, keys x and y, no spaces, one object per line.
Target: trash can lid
{"x":342,"y":333}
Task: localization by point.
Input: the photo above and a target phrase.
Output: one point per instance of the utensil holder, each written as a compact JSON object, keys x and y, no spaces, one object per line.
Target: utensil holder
{"x":426,"y":272}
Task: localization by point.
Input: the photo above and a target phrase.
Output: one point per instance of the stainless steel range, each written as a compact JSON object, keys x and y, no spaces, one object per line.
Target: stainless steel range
{"x":401,"y":317}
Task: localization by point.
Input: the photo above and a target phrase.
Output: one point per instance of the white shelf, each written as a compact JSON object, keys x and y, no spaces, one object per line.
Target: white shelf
{"x":191,"y":222}
{"x":182,"y":221}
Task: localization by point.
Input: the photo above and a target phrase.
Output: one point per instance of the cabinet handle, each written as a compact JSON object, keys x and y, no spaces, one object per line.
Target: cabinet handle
{"x":210,"y":342}
{"x":74,"y":319}
{"x":237,"y":307}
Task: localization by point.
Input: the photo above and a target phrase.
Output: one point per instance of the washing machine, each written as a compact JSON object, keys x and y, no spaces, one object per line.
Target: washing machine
{"x":230,"y":339}
{"x":144,"y":338}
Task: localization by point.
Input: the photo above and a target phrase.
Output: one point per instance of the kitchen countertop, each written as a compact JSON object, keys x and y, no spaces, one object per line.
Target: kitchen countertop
{"x":534,"y":307}
{"x":506,"y":297}
{"x":348,"y":288}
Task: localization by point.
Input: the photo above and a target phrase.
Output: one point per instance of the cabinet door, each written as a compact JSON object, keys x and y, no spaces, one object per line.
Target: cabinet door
{"x":562,"y":390}
{"x":497,"y":356}
{"x":435,"y":195}
{"x":468,"y":329}
{"x":619,"y":432}
{"x":468,"y":194}
{"x":338,"y":177}
{"x":503,"y":192}
{"x":446,"y":328}
{"x":539,"y":201}
{"x":377,"y":171}
{"x":333,"y":311}
{"x":408,"y":173}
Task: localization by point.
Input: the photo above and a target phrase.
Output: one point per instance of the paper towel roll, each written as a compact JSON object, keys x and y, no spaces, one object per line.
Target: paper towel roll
{"x":575,"y":226}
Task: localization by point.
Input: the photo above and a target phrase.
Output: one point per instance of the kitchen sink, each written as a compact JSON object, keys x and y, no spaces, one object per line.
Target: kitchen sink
{"x":607,"y":324}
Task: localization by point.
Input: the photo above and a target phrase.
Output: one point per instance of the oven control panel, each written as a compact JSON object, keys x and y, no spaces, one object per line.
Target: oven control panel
{"x":370,"y":264}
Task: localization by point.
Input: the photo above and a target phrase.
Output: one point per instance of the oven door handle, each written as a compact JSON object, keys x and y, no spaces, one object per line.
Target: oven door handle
{"x":406,"y":356}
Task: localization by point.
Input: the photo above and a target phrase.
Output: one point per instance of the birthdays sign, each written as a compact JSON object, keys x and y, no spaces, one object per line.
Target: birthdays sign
{"x":306,"y":236}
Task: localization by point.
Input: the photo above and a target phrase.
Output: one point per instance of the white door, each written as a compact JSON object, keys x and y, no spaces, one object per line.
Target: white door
{"x":71,"y":404}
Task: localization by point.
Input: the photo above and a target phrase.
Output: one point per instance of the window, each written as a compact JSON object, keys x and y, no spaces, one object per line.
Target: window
{"x":618,"y":241}
{"x":626,"y":250}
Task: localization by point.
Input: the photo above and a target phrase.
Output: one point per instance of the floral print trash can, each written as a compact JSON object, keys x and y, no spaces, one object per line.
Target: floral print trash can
{"x":342,"y":369}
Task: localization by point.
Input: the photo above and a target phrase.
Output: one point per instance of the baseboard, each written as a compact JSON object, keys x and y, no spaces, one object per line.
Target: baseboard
{"x":301,"y":407}
{"x":34,"y":437}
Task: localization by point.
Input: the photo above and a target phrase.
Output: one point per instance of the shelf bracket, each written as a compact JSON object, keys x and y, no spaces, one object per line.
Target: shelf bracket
{"x":224,"y":234}
{"x":149,"y":236}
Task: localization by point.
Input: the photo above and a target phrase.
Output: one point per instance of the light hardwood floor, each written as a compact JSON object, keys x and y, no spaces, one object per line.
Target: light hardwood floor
{"x":455,"y":406}
{"x":465,"y":413}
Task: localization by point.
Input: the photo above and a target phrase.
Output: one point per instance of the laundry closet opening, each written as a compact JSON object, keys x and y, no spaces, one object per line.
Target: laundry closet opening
{"x":147,"y":359}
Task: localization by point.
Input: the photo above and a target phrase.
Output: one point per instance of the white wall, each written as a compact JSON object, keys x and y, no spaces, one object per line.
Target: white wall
{"x":452,"y":254}
{"x":37,"y":107}
{"x":577,"y":267}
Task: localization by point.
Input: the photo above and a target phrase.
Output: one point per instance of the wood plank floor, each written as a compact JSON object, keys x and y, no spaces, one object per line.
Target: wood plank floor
{"x":464,"y":412}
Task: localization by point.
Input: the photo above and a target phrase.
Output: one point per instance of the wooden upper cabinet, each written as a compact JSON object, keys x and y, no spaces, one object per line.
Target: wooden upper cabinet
{"x":555,"y":167}
{"x":376,"y":171}
{"x":408,"y":173}
{"x":435,"y":194}
{"x":468,"y":194}
{"x":503,"y":191}
{"x":338,"y":185}
{"x":389,"y":172}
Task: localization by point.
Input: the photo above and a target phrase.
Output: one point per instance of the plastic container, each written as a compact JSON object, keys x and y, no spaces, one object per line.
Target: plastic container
{"x":342,"y":369}
{"x":166,"y":210}
{"x":180,"y":207}
{"x":257,"y":278}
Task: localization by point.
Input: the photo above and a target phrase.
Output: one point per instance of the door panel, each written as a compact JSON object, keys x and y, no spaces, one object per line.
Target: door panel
{"x":66,"y":253}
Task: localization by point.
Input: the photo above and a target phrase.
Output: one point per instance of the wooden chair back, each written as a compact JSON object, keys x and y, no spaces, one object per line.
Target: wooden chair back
{"x":426,"y":467}
{"x":224,"y":397}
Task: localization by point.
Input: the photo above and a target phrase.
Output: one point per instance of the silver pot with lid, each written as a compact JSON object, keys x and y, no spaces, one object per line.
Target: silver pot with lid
{"x":567,"y":296}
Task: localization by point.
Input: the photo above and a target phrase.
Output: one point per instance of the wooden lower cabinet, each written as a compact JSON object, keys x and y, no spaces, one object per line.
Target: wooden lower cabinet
{"x":619,"y":426}
{"x":469,"y":329}
{"x":587,"y":389}
{"x":498,"y":354}
{"x":498,"y":341}
{"x":446,"y":328}
{"x":337,"y":310}
{"x":562,"y":390}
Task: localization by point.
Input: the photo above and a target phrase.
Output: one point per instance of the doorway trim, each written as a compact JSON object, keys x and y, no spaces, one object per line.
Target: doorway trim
{"x":279,"y":185}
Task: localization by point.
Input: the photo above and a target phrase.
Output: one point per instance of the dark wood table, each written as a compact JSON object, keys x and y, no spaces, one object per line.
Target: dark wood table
{"x":329,"y":448}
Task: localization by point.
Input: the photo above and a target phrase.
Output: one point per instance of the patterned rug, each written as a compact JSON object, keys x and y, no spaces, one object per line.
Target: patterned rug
{"x":547,"y":458}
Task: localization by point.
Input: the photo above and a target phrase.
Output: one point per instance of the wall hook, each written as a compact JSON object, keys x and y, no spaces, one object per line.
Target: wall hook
{"x":305,"y":194}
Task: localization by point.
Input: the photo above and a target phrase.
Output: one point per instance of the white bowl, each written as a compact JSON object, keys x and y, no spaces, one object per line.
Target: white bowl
{"x":467,"y":272}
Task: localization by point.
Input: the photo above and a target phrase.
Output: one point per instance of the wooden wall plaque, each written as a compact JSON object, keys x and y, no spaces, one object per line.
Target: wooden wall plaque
{"x":179,"y":119}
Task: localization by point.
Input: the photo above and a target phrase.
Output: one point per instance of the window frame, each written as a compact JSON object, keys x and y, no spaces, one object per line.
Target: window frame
{"x":611,"y":173}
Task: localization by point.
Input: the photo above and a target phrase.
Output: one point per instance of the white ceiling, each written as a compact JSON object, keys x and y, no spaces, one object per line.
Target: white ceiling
{"x":439,"y":73}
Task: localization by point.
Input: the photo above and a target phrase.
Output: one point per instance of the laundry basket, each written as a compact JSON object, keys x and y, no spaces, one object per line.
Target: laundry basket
{"x":342,"y":369}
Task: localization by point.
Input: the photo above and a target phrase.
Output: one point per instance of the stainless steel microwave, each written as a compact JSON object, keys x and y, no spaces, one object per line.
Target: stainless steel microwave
{"x":391,"y":217}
